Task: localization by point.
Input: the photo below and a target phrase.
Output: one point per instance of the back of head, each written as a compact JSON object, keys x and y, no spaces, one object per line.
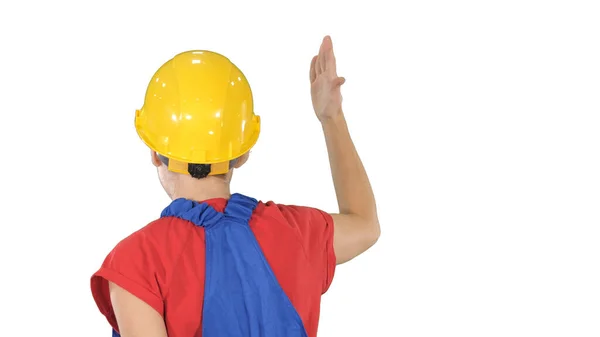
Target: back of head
{"x":198,"y":114}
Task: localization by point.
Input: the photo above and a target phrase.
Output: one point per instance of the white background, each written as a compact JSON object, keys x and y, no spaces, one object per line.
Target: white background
{"x":478,"y":123}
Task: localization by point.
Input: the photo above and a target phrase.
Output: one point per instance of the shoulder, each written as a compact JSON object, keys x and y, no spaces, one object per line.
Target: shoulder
{"x":143,"y":263}
{"x":155,"y":246}
{"x":162,"y":233}
{"x":293,"y":213}
{"x":312,"y":227}
{"x":312,"y":224}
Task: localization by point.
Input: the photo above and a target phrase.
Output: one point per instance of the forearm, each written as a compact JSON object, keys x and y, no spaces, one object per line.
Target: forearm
{"x":352,"y":186}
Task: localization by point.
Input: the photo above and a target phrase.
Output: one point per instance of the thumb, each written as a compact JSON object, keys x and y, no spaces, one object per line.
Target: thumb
{"x":339,"y":81}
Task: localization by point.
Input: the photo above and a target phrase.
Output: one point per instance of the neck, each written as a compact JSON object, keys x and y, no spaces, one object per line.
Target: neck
{"x":210,"y":187}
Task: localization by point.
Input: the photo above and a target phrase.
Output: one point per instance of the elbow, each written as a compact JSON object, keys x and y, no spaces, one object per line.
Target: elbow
{"x":373,"y":234}
{"x":377,"y":233}
{"x":371,"y":231}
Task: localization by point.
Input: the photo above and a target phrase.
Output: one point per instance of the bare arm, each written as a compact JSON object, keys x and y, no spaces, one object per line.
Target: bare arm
{"x":356,"y":227}
{"x":135,"y":317}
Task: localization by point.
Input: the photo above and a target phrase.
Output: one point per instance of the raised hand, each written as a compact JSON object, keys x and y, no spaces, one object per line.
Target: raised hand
{"x":325,"y":83}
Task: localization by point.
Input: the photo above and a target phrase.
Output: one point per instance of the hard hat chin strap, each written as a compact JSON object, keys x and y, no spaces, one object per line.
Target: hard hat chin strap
{"x":183,"y":167}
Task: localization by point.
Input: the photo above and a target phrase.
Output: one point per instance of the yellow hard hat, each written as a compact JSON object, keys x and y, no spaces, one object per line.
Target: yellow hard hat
{"x":198,"y":109}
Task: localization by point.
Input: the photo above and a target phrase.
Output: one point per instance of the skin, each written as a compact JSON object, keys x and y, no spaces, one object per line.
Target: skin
{"x":356,"y":226}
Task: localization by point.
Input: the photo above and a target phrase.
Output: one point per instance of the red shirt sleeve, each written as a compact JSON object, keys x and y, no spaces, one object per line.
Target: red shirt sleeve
{"x":316,"y":232}
{"x":132,"y":265}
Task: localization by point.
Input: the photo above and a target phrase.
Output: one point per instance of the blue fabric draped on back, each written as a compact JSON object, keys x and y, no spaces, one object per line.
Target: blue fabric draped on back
{"x":242,"y":296}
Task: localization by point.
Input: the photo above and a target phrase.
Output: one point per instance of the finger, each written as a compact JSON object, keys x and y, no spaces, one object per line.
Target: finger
{"x":340,"y":81}
{"x":328,"y":54}
{"x":320,"y":65}
{"x":313,"y":70}
{"x":321,"y":61}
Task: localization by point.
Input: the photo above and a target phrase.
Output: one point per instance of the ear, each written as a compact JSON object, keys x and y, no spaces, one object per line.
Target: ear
{"x":155,"y":160}
{"x":241,"y":160}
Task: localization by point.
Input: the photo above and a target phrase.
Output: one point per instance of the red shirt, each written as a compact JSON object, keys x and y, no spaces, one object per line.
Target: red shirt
{"x":164,"y":262}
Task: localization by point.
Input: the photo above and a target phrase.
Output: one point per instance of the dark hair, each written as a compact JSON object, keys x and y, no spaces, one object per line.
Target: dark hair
{"x":199,"y":171}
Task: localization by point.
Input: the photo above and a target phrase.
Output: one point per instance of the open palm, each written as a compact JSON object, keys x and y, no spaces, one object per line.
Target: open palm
{"x":325,"y":83}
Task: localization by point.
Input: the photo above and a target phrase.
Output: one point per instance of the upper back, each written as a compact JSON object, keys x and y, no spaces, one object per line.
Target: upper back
{"x":168,"y":259}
